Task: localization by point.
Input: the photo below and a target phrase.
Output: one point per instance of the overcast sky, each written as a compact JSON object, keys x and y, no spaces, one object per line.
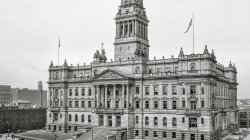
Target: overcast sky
{"x":29,"y":32}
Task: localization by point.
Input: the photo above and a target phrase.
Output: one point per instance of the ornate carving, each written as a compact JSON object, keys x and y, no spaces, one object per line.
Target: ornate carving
{"x":110,"y":75}
{"x":100,"y":57}
{"x":141,"y":52}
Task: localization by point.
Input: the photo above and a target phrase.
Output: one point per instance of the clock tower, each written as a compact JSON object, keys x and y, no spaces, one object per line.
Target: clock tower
{"x":131,"y":40}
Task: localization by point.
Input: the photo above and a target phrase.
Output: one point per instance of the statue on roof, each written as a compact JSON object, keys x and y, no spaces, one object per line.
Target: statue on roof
{"x":100,"y":57}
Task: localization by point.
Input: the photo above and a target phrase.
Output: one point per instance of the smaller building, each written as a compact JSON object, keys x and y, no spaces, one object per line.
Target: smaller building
{"x":244,"y":117}
{"x":37,"y":97}
{"x":23,"y":104}
{"x":5,"y":95}
{"x":13,"y":119}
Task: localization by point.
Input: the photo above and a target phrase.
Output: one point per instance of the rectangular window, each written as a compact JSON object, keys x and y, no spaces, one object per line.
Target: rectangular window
{"x":137,"y":90}
{"x":156,"y":104}
{"x":76,"y":104}
{"x":83,"y":91}
{"x":173,"y":135}
{"x":89,"y":104}
{"x":202,"y":120}
{"x":192,"y":122}
{"x":70,"y":103}
{"x":125,"y":104}
{"x":116,"y":104}
{"x":193,"y":90}
{"x":183,"y":103}
{"x":155,"y":134}
{"x":136,"y":133}
{"x":108,"y":104}
{"x":146,"y":90}
{"x":174,"y":105}
{"x":165,"y":105}
{"x":147,"y":104}
{"x":164,"y":134}
{"x":76,"y":92}
{"x":165,"y":90}
{"x":183,"y":120}
{"x":202,"y":137}
{"x":156,"y":90}
{"x":137,"y":119}
{"x":174,"y":90}
{"x":90,"y":91}
{"x":83,"y":104}
{"x":146,"y":133}
{"x":202,"y":104}
{"x":70,"y":92}
{"x":137,"y":104}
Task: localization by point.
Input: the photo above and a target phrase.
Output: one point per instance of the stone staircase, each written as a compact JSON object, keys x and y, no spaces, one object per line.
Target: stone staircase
{"x":98,"y":134}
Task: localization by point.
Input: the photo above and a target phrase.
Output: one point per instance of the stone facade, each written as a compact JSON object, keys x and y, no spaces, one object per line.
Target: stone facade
{"x":14,"y":120}
{"x":5,"y":95}
{"x":177,"y":98}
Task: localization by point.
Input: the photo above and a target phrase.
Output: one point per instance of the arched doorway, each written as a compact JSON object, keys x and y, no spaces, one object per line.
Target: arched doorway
{"x":123,"y":136}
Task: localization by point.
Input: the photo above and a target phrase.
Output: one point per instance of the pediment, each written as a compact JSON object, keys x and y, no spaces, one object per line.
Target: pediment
{"x":110,"y":74}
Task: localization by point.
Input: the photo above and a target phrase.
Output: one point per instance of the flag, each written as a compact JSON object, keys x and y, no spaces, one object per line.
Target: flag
{"x":190,"y":24}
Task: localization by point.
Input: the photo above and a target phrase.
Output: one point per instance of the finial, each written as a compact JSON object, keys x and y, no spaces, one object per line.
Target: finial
{"x":51,"y":64}
{"x":181,"y":54}
{"x":65,"y":63}
{"x":230,"y":64}
{"x":213,"y":52}
{"x":172,"y":56}
{"x":205,"y":50}
{"x":163,"y":57}
{"x":84,"y":64}
{"x":154,"y":58}
{"x":102,"y":45}
{"x":111,"y":60}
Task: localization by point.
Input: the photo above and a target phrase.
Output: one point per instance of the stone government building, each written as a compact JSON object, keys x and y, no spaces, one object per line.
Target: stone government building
{"x":136,"y":98}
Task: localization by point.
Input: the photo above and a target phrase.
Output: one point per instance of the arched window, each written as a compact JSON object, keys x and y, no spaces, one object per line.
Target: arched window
{"x":60,"y":115}
{"x":174,"y":122}
{"x":183,"y":91}
{"x":202,"y":90}
{"x":89,"y":118}
{"x":76,"y":118}
{"x":164,"y":121}
{"x":137,"y":70}
{"x":146,"y":121}
{"x":155,"y":121}
{"x":50,"y":115}
{"x":82,"y":118}
{"x":70,"y":117}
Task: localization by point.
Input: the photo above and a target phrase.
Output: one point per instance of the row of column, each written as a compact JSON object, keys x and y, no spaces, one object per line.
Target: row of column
{"x":131,"y":28}
{"x":102,"y":96}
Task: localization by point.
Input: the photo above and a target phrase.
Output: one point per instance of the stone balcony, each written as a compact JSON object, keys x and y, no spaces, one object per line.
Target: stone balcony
{"x":110,"y":111}
{"x":193,"y":113}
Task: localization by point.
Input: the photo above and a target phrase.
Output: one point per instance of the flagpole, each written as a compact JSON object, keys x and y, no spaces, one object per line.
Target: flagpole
{"x":193,"y":33}
{"x":59,"y":43}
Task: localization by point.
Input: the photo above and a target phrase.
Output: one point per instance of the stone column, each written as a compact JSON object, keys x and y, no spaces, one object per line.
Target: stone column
{"x":123,"y":94}
{"x":136,"y":28}
{"x":106,"y":95}
{"x":98,"y":96}
{"x":133,"y":27}
{"x":123,"y":32}
{"x":128,"y":95}
{"x":114,"y":96}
